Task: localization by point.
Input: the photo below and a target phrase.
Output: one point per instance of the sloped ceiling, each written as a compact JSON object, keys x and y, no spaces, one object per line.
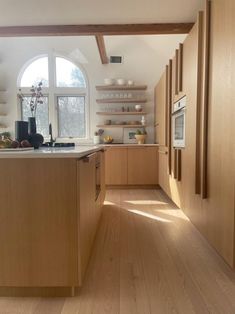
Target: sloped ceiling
{"x":49,"y":12}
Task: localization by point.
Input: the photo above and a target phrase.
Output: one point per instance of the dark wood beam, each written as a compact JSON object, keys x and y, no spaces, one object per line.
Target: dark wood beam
{"x":102,"y":50}
{"x":87,"y":30}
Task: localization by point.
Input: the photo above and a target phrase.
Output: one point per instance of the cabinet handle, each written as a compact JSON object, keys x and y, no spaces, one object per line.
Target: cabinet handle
{"x":163,"y":152}
{"x":88,"y":157}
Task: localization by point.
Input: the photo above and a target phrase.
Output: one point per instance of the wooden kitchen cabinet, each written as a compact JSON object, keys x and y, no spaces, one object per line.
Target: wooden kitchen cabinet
{"x":49,"y":224}
{"x":131,"y":166}
{"x":143,"y":166}
{"x":163,"y":175}
{"x":116,"y":166}
{"x":161,"y":112}
{"x":87,"y":211}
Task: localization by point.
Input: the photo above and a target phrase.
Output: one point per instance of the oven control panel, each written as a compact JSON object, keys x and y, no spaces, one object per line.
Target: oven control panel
{"x":180,"y":104}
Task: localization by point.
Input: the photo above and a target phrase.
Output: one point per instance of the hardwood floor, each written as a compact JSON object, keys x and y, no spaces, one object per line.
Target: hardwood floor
{"x":147,"y":258}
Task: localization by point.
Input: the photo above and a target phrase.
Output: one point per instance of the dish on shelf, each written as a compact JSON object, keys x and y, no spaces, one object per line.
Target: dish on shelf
{"x":107,"y":122}
{"x":138,"y":108}
{"x":120,"y":122}
{"x":109,"y":81}
{"x":130,"y":82}
{"x":134,"y":122}
{"x":121,"y":81}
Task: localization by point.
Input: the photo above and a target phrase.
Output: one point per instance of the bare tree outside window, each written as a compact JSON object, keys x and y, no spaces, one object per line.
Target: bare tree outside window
{"x":72,"y":117}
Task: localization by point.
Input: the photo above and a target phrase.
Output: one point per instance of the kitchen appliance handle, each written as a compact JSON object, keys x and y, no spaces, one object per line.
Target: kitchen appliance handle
{"x":88,"y":158}
{"x":163,"y":152}
{"x":181,"y":110}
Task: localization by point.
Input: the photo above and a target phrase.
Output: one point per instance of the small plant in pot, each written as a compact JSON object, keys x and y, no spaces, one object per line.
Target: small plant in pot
{"x":97,"y":136}
{"x":141,"y":136}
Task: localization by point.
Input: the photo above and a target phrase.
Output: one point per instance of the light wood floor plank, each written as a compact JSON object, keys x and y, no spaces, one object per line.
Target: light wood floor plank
{"x":133,"y":294}
{"x":147,"y":259}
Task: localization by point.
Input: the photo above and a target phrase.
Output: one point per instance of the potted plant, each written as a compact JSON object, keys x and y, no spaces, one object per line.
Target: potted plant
{"x":141,"y":136}
{"x":97,"y":136}
{"x":36,"y":98}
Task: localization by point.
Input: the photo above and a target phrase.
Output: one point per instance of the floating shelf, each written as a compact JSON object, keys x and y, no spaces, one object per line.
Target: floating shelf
{"x":2,"y":126}
{"x":3,"y":114}
{"x":121,"y":113}
{"x":120,"y":87}
{"x":121,"y":100}
{"x":121,"y":126}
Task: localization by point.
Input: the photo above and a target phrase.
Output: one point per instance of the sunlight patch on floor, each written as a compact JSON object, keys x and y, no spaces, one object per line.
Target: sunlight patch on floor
{"x":173,"y":212}
{"x":146,"y":202}
{"x":109,"y":203}
{"x":141,"y":213}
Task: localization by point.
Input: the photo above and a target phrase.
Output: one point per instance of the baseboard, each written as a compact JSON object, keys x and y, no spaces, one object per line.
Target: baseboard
{"x":133,"y":187}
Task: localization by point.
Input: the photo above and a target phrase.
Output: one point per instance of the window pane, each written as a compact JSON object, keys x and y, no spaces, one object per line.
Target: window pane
{"x":68,"y":74}
{"x":36,"y":72}
{"x":42,"y":117}
{"x":72,"y":117}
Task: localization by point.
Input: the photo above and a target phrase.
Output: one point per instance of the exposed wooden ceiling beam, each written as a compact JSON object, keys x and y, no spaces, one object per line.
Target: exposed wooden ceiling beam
{"x":102,"y":50}
{"x":86,"y":30}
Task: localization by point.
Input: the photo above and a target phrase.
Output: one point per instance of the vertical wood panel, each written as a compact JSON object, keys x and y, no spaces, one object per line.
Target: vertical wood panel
{"x":169,"y":108}
{"x":205,"y":100}
{"x":180,"y":70}
{"x":199,"y":105}
{"x":177,"y":72}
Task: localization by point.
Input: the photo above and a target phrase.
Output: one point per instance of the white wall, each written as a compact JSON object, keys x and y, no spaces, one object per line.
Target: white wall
{"x":145,"y":58}
{"x":25,"y":12}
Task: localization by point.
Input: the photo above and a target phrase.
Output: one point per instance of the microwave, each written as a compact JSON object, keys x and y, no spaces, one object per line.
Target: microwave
{"x":178,"y":123}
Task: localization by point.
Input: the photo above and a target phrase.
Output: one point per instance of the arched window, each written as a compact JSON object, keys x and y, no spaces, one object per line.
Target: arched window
{"x":65,"y":96}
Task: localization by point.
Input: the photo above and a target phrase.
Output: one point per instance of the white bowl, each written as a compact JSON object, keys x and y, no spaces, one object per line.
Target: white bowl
{"x":130,"y":82}
{"x":121,"y":81}
{"x":109,"y":81}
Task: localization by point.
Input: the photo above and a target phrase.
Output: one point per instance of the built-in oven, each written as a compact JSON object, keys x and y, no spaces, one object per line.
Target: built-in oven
{"x":178,"y":123}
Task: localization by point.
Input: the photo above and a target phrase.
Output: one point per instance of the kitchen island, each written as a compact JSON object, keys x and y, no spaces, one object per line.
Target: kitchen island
{"x":51,"y":201}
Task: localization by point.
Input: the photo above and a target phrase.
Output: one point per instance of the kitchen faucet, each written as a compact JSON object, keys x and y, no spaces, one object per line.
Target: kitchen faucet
{"x":51,"y":137}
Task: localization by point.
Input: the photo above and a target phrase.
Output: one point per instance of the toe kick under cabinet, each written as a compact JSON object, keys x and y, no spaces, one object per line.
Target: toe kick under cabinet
{"x":49,"y":214}
{"x":131,"y":166}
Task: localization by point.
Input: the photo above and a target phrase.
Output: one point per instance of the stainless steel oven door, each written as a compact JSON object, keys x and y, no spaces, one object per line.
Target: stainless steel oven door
{"x":178,"y":123}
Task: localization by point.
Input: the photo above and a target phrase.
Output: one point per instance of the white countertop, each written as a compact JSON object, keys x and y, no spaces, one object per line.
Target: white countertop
{"x":67,"y":152}
{"x":129,"y":145}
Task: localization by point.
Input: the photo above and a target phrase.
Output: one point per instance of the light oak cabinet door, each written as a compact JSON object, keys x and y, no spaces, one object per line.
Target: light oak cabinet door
{"x":163,"y":169}
{"x":143,"y":166}
{"x":102,"y":177}
{"x":161,"y":110}
{"x":116,"y":166}
{"x":87,"y":210}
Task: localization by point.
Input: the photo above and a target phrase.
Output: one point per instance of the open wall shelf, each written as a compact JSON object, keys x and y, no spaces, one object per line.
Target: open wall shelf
{"x":129,"y":126}
{"x":121,"y":100}
{"x":121,"y":113}
{"x":121,"y":87}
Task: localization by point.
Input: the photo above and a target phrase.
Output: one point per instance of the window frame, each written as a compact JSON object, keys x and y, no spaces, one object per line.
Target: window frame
{"x":52,"y":92}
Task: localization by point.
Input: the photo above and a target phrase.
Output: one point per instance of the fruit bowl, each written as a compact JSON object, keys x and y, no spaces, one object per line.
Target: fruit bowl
{"x":108,"y":140}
